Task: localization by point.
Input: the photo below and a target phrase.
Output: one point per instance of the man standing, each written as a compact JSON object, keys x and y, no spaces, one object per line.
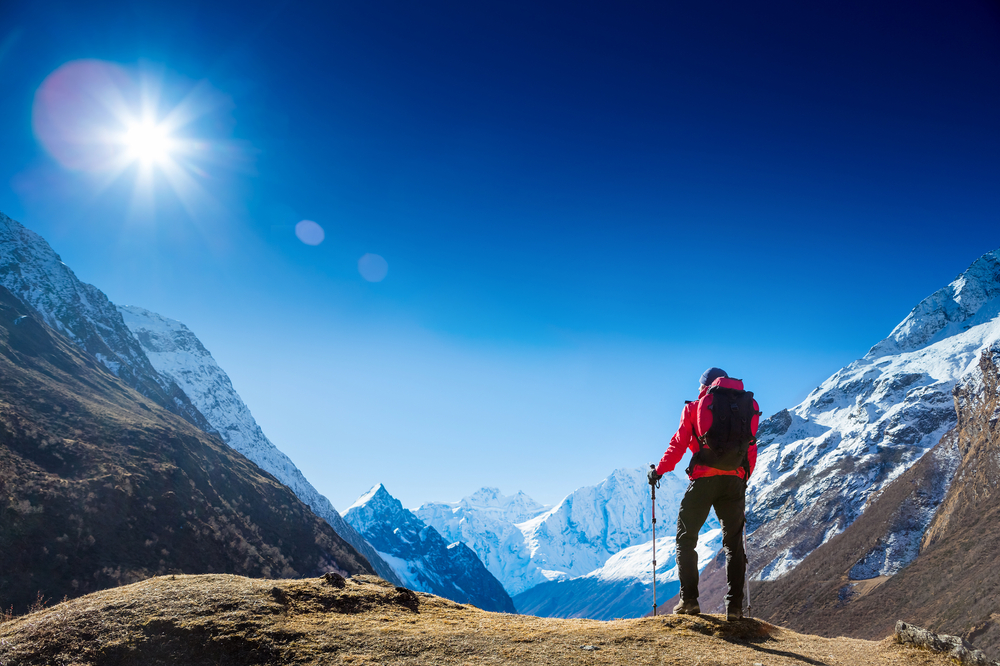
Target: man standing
{"x":723,"y":458}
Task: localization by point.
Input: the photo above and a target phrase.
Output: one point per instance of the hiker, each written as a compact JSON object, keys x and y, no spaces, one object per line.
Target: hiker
{"x":722,"y":461}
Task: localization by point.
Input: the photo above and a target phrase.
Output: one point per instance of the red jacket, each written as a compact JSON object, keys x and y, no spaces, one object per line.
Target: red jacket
{"x":684,"y":439}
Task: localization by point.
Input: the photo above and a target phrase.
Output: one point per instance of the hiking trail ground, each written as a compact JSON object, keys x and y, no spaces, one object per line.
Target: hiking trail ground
{"x":224,"y":619}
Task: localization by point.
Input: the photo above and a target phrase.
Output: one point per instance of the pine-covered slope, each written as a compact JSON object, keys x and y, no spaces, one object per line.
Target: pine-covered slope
{"x":420,"y":555}
{"x":35,"y":274}
{"x":822,"y":462}
{"x":100,"y":486}
{"x":178,"y":355}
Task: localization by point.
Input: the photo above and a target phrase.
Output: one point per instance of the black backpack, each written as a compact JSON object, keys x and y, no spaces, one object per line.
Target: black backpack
{"x":724,"y":446}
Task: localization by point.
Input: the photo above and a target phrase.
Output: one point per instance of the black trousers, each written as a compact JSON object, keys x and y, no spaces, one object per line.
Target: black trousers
{"x":728,"y":495}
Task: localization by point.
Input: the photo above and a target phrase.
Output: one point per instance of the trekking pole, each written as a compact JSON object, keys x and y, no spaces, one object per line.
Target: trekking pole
{"x":746,"y":559}
{"x":652,"y":491}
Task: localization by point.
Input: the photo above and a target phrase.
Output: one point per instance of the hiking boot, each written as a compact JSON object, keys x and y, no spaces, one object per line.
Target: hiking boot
{"x":687,"y":608}
{"x":734,"y":614}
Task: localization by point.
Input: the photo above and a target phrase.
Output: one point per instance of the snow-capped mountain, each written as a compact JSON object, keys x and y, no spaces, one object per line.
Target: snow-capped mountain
{"x":420,"y":555}
{"x":573,"y":538}
{"x":917,"y":552}
{"x":35,"y":274}
{"x":178,"y":355}
{"x":822,"y":462}
{"x":623,"y":587}
{"x":157,"y":356}
{"x":486,"y":522}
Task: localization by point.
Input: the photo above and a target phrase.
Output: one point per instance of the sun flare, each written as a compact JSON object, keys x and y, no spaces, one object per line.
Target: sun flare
{"x":148,"y":143}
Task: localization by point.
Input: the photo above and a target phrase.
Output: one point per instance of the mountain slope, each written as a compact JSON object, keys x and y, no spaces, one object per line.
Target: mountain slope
{"x":421,"y":557}
{"x":35,"y":274}
{"x":821,"y":463}
{"x":179,"y":356}
{"x":100,"y":486}
{"x":951,"y":583}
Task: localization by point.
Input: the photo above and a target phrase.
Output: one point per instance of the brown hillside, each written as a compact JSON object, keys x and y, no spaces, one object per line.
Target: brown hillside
{"x":219,"y":619}
{"x":100,"y":486}
{"x":953,"y":585}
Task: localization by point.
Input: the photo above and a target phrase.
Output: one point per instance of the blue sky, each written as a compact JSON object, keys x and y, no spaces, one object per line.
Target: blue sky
{"x":581,"y":206}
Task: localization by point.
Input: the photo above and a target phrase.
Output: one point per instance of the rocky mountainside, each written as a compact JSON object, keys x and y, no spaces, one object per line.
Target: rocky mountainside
{"x":101,"y":486}
{"x":157,"y":356}
{"x":421,"y":556}
{"x":35,"y":274}
{"x":823,"y":462}
{"x":571,"y":539}
{"x":950,"y":583}
{"x":180,"y":357}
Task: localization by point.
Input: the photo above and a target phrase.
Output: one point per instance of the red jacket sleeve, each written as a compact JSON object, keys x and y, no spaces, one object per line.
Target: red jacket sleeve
{"x":682,"y":440}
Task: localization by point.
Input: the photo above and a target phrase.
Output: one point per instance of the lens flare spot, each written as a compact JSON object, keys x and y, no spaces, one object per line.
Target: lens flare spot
{"x":309,"y":232}
{"x":76,"y":114}
{"x":373,"y":267}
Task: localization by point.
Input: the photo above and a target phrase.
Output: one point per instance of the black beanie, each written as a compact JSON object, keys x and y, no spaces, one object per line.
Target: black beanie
{"x":711,"y":375}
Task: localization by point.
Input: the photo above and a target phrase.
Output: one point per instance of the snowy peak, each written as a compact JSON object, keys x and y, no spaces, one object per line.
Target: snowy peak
{"x":377,"y":501}
{"x":161,"y":335}
{"x":32,"y":271}
{"x":821,"y":463}
{"x":970,"y":299}
{"x":421,"y":557}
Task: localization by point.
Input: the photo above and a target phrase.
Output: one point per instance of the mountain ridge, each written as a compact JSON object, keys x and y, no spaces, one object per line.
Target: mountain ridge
{"x":178,"y":355}
{"x":822,"y":462}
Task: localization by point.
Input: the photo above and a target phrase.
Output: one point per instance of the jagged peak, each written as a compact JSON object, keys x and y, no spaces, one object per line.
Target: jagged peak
{"x":377,"y":496}
{"x":971,"y":298}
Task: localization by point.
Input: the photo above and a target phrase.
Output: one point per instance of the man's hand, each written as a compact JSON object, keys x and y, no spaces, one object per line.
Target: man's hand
{"x":653,"y":477}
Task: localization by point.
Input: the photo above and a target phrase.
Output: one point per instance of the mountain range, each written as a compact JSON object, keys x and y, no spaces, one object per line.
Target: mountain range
{"x":588,"y":556}
{"x":861,"y":490}
{"x":421,"y":557}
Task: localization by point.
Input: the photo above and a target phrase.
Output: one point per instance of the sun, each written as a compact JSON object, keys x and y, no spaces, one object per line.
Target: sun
{"x":148,"y":143}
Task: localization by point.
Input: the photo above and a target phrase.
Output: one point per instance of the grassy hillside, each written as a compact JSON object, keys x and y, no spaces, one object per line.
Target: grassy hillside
{"x":223,"y":619}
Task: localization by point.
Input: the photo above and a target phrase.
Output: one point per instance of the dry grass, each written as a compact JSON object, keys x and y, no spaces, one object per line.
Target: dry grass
{"x":225,"y":619}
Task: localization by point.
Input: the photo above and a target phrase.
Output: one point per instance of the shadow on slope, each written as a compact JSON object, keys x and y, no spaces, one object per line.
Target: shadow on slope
{"x":100,"y":486}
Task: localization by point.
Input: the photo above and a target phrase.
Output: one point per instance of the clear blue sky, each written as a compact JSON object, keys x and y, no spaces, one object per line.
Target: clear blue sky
{"x":581,"y":206}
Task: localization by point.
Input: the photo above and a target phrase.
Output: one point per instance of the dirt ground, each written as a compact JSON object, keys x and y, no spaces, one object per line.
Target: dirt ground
{"x":223,"y":619}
